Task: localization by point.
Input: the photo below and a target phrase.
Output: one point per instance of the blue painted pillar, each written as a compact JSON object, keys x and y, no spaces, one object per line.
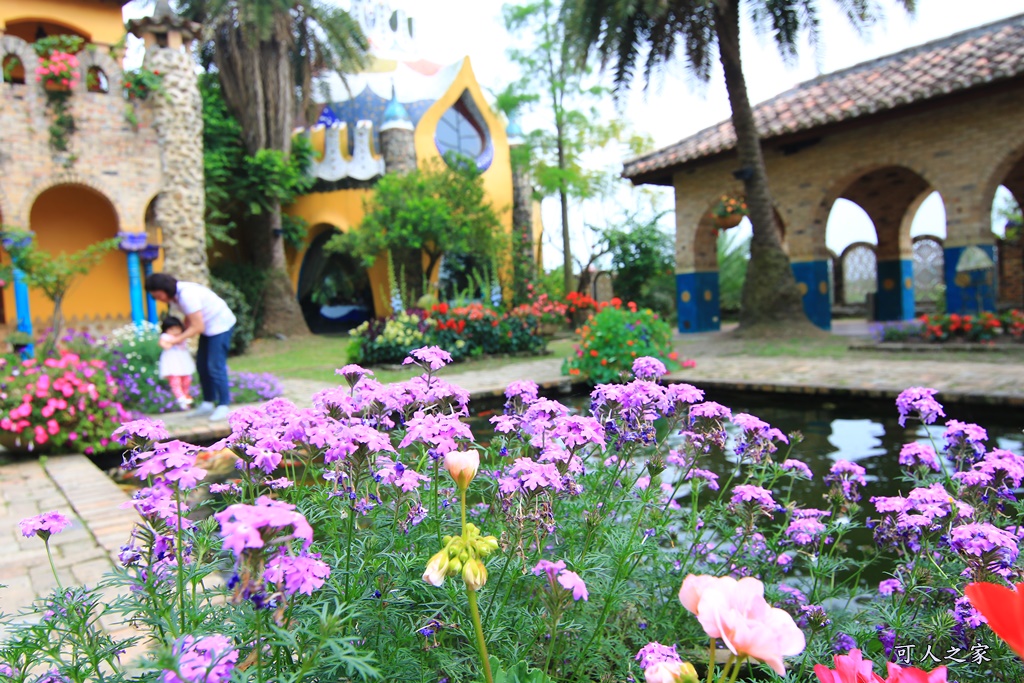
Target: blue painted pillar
{"x":151,"y":312}
{"x":969,"y":291}
{"x":894,"y":299}
{"x":23,"y":311}
{"x":698,"y":308}
{"x":135,"y":286}
{"x":812,"y":279}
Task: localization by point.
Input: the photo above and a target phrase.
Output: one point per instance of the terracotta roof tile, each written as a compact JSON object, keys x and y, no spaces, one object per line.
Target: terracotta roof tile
{"x":956,"y":63}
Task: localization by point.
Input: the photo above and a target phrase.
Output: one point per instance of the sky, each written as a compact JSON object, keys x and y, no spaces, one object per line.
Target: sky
{"x":673,"y":107}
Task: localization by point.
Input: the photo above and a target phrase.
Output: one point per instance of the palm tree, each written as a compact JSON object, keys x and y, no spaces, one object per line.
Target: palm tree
{"x":619,"y":30}
{"x":266,"y":53}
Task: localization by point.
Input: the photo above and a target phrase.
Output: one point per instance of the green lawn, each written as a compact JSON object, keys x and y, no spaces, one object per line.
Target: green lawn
{"x":315,"y":357}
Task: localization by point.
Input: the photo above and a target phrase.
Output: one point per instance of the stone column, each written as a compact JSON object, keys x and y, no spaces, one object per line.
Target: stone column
{"x":180,"y":209}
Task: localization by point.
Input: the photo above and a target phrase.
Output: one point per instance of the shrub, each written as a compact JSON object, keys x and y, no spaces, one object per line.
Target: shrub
{"x":611,"y":340}
{"x":63,"y":404}
{"x":388,"y":340}
{"x":475,"y":329}
{"x":250,"y":281}
{"x":942,"y":327}
{"x":904,"y":330}
{"x":548,"y":311}
{"x":245,"y":328}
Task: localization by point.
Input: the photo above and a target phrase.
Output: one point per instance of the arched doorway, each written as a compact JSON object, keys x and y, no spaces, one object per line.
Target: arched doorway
{"x":869,"y":223}
{"x":334,"y":289}
{"x":66,"y":219}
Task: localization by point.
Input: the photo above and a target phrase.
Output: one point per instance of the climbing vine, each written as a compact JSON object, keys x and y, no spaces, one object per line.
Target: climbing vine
{"x":57,"y":74}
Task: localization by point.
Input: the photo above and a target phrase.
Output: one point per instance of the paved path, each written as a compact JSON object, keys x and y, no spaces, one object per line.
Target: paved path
{"x":73,"y":485}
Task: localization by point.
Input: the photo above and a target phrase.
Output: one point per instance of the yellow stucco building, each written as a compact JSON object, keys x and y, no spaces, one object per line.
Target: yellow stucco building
{"x":401,"y":112}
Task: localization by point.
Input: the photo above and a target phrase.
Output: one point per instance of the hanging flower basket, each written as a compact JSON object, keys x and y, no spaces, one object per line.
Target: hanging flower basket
{"x":728,"y":212}
{"x":726,"y":222}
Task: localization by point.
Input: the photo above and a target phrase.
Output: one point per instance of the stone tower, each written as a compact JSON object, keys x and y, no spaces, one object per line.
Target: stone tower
{"x":178,"y":119}
{"x":398,"y":145}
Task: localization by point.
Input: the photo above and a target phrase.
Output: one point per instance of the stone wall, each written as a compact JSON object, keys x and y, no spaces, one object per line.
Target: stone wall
{"x":108,"y":154}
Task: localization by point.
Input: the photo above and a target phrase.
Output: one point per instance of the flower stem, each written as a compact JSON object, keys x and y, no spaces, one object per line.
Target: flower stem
{"x":475,"y":613}
{"x":711,"y":661}
{"x":49,"y":556}
{"x":551,"y":645}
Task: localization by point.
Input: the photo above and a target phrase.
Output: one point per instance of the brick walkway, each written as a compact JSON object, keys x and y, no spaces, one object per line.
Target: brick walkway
{"x":73,"y":485}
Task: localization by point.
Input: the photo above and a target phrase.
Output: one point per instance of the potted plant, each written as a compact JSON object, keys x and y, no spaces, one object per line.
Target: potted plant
{"x":729,"y":211}
{"x":19,"y":340}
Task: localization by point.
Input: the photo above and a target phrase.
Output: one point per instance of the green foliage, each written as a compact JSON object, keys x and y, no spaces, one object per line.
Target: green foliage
{"x":240,"y":186}
{"x":388,"y":340}
{"x":643,"y":258}
{"x":438,"y":209}
{"x":245,"y":328}
{"x":733,"y":256}
{"x":552,"y":283}
{"x":613,"y":338}
{"x":53,"y":274}
{"x":554,"y":80}
{"x":249,"y":280}
{"x":1009,"y":212}
{"x":139,"y":85}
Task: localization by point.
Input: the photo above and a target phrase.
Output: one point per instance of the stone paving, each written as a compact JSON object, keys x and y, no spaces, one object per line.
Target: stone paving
{"x":75,"y":486}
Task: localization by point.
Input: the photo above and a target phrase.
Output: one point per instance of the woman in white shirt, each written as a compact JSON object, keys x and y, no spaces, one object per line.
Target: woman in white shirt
{"x":209,"y":318}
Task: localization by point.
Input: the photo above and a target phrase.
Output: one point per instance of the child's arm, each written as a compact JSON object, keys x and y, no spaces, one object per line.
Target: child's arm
{"x":165,"y":341}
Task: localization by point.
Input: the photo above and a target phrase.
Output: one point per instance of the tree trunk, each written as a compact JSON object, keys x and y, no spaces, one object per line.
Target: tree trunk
{"x":770,"y":293}
{"x":567,"y":275}
{"x":258,"y":85}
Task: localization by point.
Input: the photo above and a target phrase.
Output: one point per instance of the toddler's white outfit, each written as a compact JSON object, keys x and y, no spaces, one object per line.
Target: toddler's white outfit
{"x":178,"y":366}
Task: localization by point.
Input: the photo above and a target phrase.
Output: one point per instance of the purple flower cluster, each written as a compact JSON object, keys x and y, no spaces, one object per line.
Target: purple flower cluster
{"x":917,"y":402}
{"x":206,"y":660}
{"x":919,"y":454}
{"x":569,"y":580}
{"x":303,"y":573}
{"x":806,"y":527}
{"x":250,"y":526}
{"x":757,"y":439}
{"x":654,"y":653}
{"x":44,"y":525}
{"x":797,"y":467}
{"x":846,"y":478}
{"x":986,"y":545}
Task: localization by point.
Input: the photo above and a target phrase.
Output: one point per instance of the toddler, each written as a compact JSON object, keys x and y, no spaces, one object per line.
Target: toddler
{"x":176,"y":362}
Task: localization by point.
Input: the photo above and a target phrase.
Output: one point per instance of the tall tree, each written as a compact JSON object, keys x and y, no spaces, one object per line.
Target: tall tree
{"x":619,"y":31}
{"x":553,"y":80}
{"x":266,"y":53}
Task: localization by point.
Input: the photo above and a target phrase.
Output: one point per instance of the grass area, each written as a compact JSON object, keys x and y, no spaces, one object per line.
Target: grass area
{"x":315,"y":357}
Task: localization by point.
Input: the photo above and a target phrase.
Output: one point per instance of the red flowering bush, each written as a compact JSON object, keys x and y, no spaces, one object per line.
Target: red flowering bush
{"x":580,"y":306}
{"x":476,"y":329}
{"x":955,"y":327}
{"x":611,"y":340}
{"x":61,"y":404}
{"x":547,"y":310}
{"x":1013,"y":323}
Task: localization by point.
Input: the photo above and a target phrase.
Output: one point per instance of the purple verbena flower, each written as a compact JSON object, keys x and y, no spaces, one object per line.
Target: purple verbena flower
{"x":654,"y":653}
{"x":206,"y":660}
{"x":44,"y":525}
{"x":433,"y":357}
{"x":918,"y":402}
{"x":648,"y":367}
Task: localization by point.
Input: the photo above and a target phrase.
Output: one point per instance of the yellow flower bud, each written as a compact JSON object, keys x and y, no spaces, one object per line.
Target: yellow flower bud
{"x":437,"y":568}
{"x":474,"y":573}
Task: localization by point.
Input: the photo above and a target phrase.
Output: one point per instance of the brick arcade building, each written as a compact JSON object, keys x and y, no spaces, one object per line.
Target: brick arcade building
{"x":942,"y":117}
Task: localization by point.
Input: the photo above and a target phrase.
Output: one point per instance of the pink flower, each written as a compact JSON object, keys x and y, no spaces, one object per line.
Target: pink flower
{"x":899,"y":674}
{"x":571,"y":581}
{"x":851,"y":668}
{"x":693,"y":587}
{"x":462,"y":465}
{"x":664,"y":672}
{"x":737,"y":612}
{"x":44,"y":525}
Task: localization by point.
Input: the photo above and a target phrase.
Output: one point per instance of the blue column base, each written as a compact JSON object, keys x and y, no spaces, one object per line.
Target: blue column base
{"x":151,"y":312}
{"x":894,"y":299}
{"x":812,"y":278}
{"x":970,"y":292}
{"x":135,"y":286}
{"x":697,"y":302}
{"x":23,"y":311}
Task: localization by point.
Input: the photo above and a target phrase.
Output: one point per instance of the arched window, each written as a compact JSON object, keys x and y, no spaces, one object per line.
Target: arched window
{"x":462,"y":132}
{"x":14,"y":70}
{"x":96,"y":80}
